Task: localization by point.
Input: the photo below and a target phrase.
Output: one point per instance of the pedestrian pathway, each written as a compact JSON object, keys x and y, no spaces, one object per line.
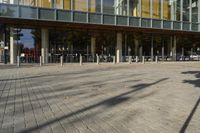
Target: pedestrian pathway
{"x":100,"y":98}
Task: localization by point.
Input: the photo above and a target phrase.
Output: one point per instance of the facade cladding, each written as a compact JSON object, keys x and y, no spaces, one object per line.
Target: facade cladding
{"x":111,"y":29}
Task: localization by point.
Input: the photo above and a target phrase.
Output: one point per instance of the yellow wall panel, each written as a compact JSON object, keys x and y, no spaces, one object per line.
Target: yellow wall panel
{"x":146,"y":8}
{"x":44,"y":3}
{"x":67,"y":4}
{"x":156,"y":8}
{"x":166,"y":10}
{"x":80,"y":5}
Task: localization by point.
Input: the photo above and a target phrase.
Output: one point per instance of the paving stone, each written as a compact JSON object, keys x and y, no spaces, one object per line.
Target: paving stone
{"x":106,"y":98}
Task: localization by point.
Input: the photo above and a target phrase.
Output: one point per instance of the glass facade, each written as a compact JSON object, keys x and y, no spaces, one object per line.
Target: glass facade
{"x":175,"y":10}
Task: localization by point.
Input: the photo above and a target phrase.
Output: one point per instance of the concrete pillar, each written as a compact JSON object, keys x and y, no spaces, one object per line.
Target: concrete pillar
{"x":182,"y":51}
{"x":136,"y":42}
{"x":45,"y":46}
{"x":93,"y":46}
{"x":140,"y":52}
{"x":163,"y":51}
{"x":13,"y":48}
{"x":119,"y":47}
{"x":1,"y":53}
{"x":174,"y":48}
{"x":152,"y":54}
{"x":169,"y":47}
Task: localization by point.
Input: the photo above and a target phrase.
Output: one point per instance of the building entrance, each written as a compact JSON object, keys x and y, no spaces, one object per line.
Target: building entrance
{"x":71,"y":44}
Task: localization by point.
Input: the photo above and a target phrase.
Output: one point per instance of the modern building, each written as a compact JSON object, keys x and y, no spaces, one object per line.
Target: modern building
{"x":169,"y":29}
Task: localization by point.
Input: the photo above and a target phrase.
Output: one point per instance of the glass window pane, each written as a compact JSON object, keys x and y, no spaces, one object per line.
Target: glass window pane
{"x":120,"y":7}
{"x":80,"y":5}
{"x":9,"y":1}
{"x":194,"y":10}
{"x":178,"y":10}
{"x":186,"y":9}
{"x":134,"y":8}
{"x":108,"y":6}
{"x":27,"y":2}
{"x":175,"y":9}
{"x":44,"y":3}
{"x":94,"y":5}
{"x":59,"y":4}
{"x":67,"y":4}
{"x":156,"y":13}
{"x":146,"y":8}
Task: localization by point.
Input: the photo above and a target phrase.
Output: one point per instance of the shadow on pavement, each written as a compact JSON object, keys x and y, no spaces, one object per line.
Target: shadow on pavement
{"x":196,"y":83}
{"x":186,"y":123}
{"x":113,"y":101}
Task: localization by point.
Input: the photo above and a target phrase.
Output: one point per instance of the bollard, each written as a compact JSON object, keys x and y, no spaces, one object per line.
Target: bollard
{"x":156,"y":59}
{"x":97,"y":60}
{"x":40,"y":60}
{"x":130,"y":59}
{"x":114,"y":62}
{"x":81,"y":60}
{"x":61,"y":61}
{"x":18,"y":61}
{"x":143,"y":59}
{"x":136,"y":59}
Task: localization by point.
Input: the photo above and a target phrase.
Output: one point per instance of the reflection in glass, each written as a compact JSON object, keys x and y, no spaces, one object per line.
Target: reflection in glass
{"x":108,"y":6}
{"x":120,"y":7}
{"x":175,"y":9}
{"x":186,"y":10}
{"x":59,"y":4}
{"x":28,"y":44}
{"x":134,"y":8}
{"x":178,"y":10}
{"x":9,"y":1}
{"x":27,"y":2}
{"x":194,"y":10}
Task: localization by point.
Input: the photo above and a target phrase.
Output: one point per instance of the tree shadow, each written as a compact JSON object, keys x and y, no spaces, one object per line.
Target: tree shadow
{"x":186,"y":123}
{"x":196,"y":83}
{"x":110,"y":102}
{"x":86,"y":73}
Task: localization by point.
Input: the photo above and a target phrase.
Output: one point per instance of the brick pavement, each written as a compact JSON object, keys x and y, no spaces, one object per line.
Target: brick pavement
{"x":100,"y":98}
